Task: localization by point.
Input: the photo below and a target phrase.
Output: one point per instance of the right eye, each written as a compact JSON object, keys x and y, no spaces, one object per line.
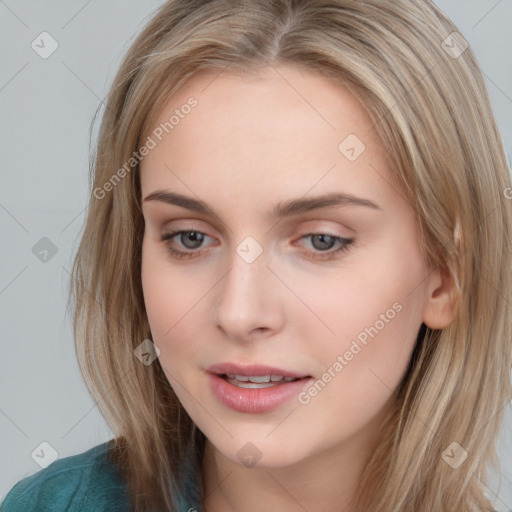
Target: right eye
{"x":186,"y":238}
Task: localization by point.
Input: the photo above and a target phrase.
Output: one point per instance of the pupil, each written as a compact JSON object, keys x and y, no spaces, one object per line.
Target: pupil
{"x":193,"y":236}
{"x":322,"y":239}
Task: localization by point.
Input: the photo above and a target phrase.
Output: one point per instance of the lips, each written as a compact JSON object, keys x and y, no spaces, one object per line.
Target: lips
{"x":253,"y":370}
{"x":255,"y":388}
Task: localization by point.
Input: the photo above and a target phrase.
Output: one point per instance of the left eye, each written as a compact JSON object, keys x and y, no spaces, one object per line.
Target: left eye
{"x":323,"y":239}
{"x":193,"y":239}
{"x":327,"y":239}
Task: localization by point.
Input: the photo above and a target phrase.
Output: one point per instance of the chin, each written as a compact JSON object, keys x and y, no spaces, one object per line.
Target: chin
{"x":260,"y":452}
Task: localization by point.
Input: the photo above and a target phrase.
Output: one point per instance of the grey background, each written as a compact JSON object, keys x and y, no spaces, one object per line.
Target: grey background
{"x":47,"y":106}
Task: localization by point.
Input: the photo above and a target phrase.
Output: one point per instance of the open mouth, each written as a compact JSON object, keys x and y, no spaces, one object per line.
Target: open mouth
{"x":256,"y":393}
{"x":257,"y":382}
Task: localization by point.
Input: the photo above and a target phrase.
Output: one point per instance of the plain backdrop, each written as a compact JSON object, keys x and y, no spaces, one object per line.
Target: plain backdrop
{"x":47,"y":105}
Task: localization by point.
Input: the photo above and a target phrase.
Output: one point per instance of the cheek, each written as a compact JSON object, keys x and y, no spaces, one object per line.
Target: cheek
{"x":154,"y":285}
{"x":175,"y":302}
{"x":160,"y":290}
{"x":373,"y":310}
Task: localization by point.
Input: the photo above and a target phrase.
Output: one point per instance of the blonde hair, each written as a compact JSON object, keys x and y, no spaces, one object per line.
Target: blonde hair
{"x":428,"y":101}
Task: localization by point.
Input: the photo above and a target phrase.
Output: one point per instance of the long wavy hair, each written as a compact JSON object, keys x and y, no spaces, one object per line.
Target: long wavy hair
{"x":409,"y":67}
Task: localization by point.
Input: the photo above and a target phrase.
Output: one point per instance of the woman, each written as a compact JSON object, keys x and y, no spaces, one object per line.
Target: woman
{"x":242,"y":363}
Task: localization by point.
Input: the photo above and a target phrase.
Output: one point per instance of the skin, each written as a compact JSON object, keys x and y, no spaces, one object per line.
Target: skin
{"x":251,"y":142}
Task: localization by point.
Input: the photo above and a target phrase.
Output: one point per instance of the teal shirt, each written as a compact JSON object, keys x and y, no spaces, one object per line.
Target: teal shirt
{"x":84,"y":482}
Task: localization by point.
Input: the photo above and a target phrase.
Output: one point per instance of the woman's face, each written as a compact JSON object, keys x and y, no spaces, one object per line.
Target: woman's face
{"x":270,"y":275}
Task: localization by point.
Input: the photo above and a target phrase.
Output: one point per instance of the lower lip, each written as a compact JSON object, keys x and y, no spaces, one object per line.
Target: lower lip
{"x":255,"y":400}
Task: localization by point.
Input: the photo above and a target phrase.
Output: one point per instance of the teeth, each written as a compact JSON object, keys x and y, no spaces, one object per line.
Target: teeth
{"x":274,"y":378}
{"x":252,"y":385}
{"x":260,"y":379}
{"x":241,"y":378}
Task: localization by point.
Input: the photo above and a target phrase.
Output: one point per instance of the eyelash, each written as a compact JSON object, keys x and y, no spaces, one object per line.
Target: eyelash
{"x":322,"y":255}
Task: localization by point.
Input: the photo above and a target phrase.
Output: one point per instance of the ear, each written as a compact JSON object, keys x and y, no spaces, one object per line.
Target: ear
{"x":441,"y":300}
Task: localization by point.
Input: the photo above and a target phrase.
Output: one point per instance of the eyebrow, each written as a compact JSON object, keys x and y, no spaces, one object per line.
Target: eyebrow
{"x":281,"y":210}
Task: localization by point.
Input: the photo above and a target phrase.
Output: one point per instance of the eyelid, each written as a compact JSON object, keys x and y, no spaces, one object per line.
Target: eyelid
{"x":326,"y":256}
{"x":304,"y":227}
{"x":189,"y":224}
{"x":340,"y":226}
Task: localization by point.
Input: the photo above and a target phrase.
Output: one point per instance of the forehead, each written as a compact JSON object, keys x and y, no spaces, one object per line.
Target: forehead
{"x":302,"y":92}
{"x":281,"y":127}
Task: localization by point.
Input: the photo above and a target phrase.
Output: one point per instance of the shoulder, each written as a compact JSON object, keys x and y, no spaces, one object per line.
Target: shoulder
{"x":87,"y":481}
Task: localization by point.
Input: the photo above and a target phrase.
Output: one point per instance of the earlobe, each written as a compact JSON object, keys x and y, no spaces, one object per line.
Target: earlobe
{"x":441,"y":301}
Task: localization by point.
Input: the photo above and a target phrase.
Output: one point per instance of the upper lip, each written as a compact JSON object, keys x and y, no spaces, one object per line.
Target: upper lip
{"x":252,"y":370}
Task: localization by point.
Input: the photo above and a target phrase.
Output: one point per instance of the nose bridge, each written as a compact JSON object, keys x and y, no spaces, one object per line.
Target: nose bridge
{"x":245,"y":301}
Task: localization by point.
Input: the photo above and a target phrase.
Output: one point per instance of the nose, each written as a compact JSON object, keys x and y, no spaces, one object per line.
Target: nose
{"x":247,"y":300}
